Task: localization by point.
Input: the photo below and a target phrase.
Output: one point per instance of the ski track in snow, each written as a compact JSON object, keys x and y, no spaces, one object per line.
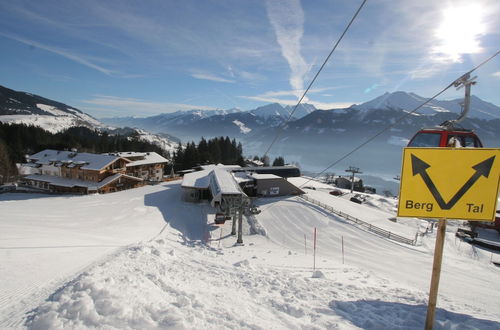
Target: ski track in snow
{"x":139,"y":259}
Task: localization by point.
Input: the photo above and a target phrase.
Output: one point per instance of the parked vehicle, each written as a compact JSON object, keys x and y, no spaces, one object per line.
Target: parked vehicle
{"x":220,"y":218}
{"x":336,"y":193}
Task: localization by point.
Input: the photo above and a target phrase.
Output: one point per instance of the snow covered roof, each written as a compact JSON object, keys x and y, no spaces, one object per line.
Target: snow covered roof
{"x":127,"y":154}
{"x":213,"y":166}
{"x":220,"y":174}
{"x":65,"y":182}
{"x":198,"y":179}
{"x":242,"y":177}
{"x":264,"y":176}
{"x":145,"y":158}
{"x":92,"y":161}
{"x":226,"y":181}
{"x":255,"y":162}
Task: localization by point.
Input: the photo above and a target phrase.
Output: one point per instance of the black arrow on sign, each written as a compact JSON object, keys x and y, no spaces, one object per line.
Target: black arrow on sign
{"x":482,"y":169}
{"x":420,"y":167}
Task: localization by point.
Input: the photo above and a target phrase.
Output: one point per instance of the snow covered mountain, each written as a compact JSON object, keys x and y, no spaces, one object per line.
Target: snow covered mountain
{"x":312,"y":137}
{"x":26,"y":108}
{"x":277,"y":110}
{"x":163,"y":141}
{"x":190,"y":125}
{"x":313,"y":140}
{"x":322,"y":137}
{"x":409,"y":101}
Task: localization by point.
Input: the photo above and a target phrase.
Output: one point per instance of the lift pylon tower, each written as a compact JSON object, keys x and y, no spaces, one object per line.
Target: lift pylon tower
{"x":235,"y":206}
{"x":353,"y":170}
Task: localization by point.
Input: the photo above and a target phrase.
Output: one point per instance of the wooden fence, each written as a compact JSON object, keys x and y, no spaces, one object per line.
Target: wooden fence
{"x":370,"y":227}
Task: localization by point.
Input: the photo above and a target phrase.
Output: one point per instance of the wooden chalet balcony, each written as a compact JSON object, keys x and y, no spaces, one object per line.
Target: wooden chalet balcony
{"x":117,"y":170}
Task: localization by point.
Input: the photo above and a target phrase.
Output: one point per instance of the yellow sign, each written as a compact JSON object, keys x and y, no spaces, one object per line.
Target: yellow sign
{"x":450,"y":183}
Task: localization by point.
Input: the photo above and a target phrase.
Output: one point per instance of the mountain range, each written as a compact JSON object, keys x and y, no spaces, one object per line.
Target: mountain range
{"x":190,"y":125}
{"x":26,"y":108}
{"x":53,"y":116}
{"x":314,"y":138}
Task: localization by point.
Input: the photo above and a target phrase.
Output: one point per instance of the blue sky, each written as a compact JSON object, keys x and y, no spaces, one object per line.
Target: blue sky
{"x":121,"y":58}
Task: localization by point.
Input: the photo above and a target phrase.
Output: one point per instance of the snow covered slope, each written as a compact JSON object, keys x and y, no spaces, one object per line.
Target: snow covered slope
{"x":158,"y":139}
{"x":142,"y":258}
{"x":25,"y":108}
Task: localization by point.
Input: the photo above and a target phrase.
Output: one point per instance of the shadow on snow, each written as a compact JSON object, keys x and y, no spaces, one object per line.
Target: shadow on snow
{"x":375,"y":314}
{"x":190,"y":219}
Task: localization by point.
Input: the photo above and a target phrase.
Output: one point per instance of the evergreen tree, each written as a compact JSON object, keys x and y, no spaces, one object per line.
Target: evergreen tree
{"x":22,"y":139}
{"x":179,"y":159}
{"x":279,"y":161}
{"x":214,"y":150}
{"x":7,"y":168}
{"x":358,"y":186}
{"x":203,"y":152}
{"x":190,"y":156}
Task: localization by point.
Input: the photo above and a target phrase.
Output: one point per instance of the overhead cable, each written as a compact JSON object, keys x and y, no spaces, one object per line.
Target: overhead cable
{"x":281,"y":127}
{"x":401,"y":118}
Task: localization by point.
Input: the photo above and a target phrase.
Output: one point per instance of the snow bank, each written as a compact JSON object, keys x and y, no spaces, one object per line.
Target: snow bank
{"x":150,"y":286}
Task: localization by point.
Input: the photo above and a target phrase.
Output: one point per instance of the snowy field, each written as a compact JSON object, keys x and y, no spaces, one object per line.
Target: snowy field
{"x":143,"y":259}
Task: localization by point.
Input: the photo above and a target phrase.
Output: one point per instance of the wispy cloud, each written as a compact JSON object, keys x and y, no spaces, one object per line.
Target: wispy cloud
{"x":496,"y":74}
{"x":287,"y":19}
{"x":281,"y":97}
{"x":270,"y":99}
{"x":64,"y":53}
{"x":276,"y":96}
{"x":116,"y":105}
{"x":211,"y":77}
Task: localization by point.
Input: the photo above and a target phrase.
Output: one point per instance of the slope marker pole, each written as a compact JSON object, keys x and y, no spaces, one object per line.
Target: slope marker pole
{"x":305,"y":244}
{"x":342,"y":250}
{"x":314,"y":254}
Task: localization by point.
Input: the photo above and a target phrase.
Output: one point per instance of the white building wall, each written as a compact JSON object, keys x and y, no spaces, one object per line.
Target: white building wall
{"x":51,"y":170}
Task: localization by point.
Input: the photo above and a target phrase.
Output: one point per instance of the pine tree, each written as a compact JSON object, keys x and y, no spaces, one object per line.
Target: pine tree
{"x":7,"y":168}
{"x":279,"y":161}
{"x":179,"y":158}
{"x":203,"y":152}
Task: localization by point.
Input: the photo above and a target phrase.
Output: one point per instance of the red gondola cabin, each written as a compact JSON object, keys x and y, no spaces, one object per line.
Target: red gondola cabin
{"x":445,"y":137}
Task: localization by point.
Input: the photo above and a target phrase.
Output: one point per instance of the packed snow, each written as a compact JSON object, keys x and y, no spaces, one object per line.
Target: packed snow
{"x":142,"y":258}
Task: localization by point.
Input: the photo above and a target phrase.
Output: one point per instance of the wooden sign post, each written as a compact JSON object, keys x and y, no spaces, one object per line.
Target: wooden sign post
{"x":436,"y":273}
{"x":448,"y":183}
